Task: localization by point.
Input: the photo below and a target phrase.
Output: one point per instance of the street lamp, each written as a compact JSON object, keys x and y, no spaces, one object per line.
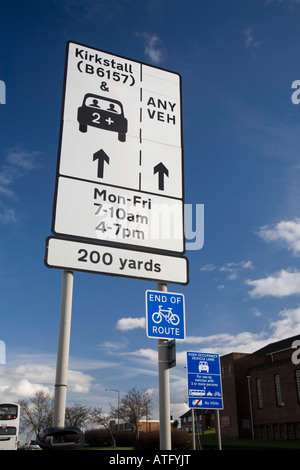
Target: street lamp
{"x":118,"y":391}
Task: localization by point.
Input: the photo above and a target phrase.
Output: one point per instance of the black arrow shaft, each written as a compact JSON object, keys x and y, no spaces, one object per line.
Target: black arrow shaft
{"x":100,"y":171}
{"x":101,"y":157}
{"x":161,"y":180}
{"x":162,"y":172}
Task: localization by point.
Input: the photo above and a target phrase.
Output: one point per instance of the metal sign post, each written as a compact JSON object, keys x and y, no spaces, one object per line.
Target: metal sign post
{"x":164,"y":389}
{"x":218,"y":429}
{"x":60,"y":392}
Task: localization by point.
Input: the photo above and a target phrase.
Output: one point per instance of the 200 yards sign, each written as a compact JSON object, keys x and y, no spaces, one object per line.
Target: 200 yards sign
{"x":120,"y":166}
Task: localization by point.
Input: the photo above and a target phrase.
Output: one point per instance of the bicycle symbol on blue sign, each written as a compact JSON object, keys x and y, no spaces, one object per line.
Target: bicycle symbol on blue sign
{"x":165,"y":318}
{"x":170,"y":317}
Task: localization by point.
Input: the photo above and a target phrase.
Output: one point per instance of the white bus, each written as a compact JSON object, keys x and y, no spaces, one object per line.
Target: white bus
{"x":9,"y":426}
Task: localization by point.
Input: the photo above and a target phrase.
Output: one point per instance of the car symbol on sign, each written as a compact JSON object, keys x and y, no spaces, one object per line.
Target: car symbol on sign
{"x":203,"y":366}
{"x":103,"y":113}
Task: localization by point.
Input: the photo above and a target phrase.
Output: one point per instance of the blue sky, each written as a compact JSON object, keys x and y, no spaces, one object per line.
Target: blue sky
{"x":238,"y":61}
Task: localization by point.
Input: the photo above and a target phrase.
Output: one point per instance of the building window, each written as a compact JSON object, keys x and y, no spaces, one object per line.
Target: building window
{"x":298,"y":383}
{"x":278,"y":391}
{"x":259,"y":393}
{"x":245,"y":423}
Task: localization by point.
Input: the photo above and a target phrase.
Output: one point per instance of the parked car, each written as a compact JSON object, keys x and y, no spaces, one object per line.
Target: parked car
{"x":32,"y":445}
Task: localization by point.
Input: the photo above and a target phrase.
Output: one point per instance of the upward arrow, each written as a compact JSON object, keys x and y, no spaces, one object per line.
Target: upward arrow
{"x":161,"y":170}
{"x":101,"y":157}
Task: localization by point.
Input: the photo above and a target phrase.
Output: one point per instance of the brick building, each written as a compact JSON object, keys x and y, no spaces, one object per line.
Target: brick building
{"x":261,"y":393}
{"x":203,"y":420}
{"x":149,"y":425}
{"x":145,"y":425}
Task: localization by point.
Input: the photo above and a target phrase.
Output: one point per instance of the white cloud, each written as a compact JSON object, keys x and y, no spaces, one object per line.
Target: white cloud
{"x":286,"y":232}
{"x":280,"y":284}
{"x":130,"y":323}
{"x":249,"y":37}
{"x":25,"y":379}
{"x":102,"y":12}
{"x":251,"y":42}
{"x":17,"y":163}
{"x":18,"y":158}
{"x":145,"y":353}
{"x":35,"y":372}
{"x":232,"y":269}
{"x":26,"y":389}
{"x":287,"y":324}
{"x":208,"y":267}
{"x":291,"y":4}
{"x":152,"y":47}
{"x":226,"y":343}
{"x":78,"y":382}
{"x":7,"y":215}
{"x":256,"y":312}
{"x":20,"y":382}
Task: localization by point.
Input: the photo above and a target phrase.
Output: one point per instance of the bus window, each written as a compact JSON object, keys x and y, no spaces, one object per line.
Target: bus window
{"x":8,"y":411}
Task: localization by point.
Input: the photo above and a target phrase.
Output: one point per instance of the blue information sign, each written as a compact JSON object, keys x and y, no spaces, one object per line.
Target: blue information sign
{"x":165,"y":318}
{"x":204,"y":381}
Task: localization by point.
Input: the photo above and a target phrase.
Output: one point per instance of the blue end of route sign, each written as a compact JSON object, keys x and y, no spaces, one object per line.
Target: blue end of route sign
{"x":165,"y":315}
{"x":204,"y":381}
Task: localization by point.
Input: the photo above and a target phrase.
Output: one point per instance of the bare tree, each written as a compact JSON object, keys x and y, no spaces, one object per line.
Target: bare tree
{"x":36,"y":412}
{"x":102,"y":419}
{"x":133,"y":407}
{"x":77,"y":415}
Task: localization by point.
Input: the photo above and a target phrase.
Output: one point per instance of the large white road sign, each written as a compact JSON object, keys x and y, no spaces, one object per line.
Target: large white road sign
{"x":98,"y":259}
{"x":120,"y":165}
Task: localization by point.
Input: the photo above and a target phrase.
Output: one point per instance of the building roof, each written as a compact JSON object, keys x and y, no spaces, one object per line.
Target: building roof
{"x":278,"y":345}
{"x":189,"y":412}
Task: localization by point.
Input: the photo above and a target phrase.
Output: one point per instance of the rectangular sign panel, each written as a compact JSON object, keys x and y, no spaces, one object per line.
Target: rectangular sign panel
{"x":98,"y":259}
{"x":204,"y":381}
{"x":165,"y":315}
{"x":104,"y":213}
{"x":120,"y":145}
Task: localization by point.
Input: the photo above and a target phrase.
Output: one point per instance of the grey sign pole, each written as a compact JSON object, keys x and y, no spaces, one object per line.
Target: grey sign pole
{"x":218,"y":429}
{"x":164,"y":388}
{"x":193,"y":429}
{"x":62,"y":362}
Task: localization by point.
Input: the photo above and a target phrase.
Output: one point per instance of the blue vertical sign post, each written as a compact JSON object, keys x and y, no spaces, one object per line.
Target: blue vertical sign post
{"x":204,"y":381}
{"x":165,"y":315}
